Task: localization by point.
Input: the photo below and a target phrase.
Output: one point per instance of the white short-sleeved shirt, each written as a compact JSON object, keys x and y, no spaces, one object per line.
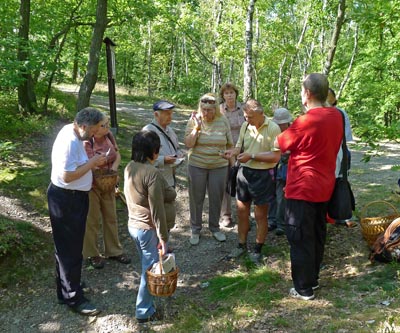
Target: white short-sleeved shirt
{"x":67,"y":155}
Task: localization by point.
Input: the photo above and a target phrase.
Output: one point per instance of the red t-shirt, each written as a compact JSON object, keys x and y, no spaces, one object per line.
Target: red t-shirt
{"x":313,"y":140}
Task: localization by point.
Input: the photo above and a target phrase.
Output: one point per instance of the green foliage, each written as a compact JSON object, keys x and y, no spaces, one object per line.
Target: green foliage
{"x":6,"y":149}
{"x":24,"y":166}
{"x":14,"y":126}
{"x":171,"y":49}
{"x":23,"y":251}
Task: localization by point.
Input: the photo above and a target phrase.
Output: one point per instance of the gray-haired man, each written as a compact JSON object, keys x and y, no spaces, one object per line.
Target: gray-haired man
{"x":68,"y":200}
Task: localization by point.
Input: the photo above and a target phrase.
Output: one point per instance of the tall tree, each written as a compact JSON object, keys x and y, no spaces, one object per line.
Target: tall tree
{"x":335,"y":36}
{"x":248,"y":60}
{"x":26,"y":93}
{"x":89,"y":81}
{"x":292,"y":62}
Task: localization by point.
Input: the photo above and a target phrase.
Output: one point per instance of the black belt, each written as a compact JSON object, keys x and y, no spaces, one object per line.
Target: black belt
{"x":69,"y":191}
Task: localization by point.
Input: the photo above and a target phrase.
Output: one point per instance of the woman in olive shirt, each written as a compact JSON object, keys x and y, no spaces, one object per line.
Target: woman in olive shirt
{"x":207,"y":135}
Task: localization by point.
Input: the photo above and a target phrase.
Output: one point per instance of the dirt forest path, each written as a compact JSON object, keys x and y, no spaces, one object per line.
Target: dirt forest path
{"x":113,"y":289}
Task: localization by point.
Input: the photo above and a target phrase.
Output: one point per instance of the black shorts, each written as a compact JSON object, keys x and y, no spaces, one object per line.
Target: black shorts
{"x":255,"y":185}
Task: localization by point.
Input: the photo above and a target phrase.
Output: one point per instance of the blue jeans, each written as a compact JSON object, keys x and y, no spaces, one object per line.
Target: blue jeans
{"x":146,"y":243}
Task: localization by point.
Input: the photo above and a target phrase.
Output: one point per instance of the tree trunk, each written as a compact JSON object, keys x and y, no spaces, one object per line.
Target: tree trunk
{"x":53,"y":72}
{"x":353,"y":56}
{"x":64,"y":32}
{"x":172,"y":70}
{"x":149,"y":90}
{"x":26,"y":93}
{"x":248,"y":60}
{"x":335,"y":36}
{"x":217,"y":76}
{"x":291,"y":64}
{"x":89,"y":81}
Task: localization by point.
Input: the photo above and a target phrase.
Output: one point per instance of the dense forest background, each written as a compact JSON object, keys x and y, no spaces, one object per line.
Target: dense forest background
{"x":182,"y":49}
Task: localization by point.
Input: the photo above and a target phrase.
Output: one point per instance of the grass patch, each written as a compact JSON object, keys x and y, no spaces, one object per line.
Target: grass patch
{"x":24,"y":251}
{"x":228,"y":299}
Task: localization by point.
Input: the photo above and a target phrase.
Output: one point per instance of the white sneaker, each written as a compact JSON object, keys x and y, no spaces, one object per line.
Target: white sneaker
{"x":293,"y":293}
{"x":219,"y":236}
{"x":194,"y":239}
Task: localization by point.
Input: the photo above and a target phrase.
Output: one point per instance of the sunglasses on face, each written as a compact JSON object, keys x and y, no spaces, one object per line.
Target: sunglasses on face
{"x":208,"y":101}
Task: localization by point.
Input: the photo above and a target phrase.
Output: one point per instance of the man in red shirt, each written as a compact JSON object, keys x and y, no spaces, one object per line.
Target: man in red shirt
{"x":313,"y":141}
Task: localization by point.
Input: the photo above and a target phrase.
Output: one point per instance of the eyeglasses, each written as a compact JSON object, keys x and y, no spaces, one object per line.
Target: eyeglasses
{"x":208,"y":101}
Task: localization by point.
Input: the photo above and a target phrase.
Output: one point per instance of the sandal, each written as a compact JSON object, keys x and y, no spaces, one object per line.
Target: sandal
{"x":96,"y":262}
{"x":122,"y":258}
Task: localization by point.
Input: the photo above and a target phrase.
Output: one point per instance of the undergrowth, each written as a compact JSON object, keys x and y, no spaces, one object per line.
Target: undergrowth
{"x":24,"y":250}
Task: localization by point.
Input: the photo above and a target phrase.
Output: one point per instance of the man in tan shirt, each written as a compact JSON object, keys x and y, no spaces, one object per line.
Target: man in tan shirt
{"x":255,"y":180}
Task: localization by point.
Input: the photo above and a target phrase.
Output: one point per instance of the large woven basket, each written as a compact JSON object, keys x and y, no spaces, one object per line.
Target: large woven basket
{"x":163,"y":284}
{"x":372,"y":227}
{"x":105,"y":180}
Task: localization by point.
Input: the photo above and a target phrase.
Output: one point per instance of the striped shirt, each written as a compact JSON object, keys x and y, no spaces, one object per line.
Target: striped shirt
{"x":213,"y":138}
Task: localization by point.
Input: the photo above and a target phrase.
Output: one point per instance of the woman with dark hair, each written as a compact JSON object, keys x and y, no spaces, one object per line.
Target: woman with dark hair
{"x":232,"y":109}
{"x":150,"y":202}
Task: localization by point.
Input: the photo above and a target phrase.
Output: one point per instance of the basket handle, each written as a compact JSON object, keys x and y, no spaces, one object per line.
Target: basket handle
{"x":161,"y":264}
{"x":376,"y":202}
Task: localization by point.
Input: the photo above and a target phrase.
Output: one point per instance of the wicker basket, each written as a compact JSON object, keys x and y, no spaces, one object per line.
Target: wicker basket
{"x":105,"y":180}
{"x":372,"y":227}
{"x":163,"y":284}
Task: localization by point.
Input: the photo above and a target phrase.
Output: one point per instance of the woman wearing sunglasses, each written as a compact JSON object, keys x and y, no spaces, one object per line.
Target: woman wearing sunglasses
{"x":207,"y":135}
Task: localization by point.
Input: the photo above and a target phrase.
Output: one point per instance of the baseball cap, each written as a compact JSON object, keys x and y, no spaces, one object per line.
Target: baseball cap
{"x":163,"y":105}
{"x":282,"y":116}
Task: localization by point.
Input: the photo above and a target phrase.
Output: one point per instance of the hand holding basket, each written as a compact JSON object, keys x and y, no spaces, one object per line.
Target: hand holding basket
{"x":163,"y":284}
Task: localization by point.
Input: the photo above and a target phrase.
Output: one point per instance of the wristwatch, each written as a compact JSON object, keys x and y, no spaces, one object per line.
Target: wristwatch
{"x":252,"y":156}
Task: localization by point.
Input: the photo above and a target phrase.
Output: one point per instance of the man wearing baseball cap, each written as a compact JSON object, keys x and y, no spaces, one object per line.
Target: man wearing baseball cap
{"x":170,"y":154}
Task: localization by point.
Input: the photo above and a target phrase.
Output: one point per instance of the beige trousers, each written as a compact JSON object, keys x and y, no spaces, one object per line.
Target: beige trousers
{"x":102,"y":208}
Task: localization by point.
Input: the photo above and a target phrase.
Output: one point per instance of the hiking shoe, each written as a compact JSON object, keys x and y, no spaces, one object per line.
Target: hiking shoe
{"x":219,"y":236}
{"x":255,"y":258}
{"x":97,"y":262}
{"x":293,"y":293}
{"x":194,"y":239}
{"x":86,"y":309}
{"x":237,"y":252}
{"x":122,"y":258}
{"x":279,"y":231}
{"x":156,"y":316}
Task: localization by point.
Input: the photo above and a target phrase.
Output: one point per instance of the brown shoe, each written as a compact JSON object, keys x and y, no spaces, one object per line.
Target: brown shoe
{"x":97,"y":262}
{"x":122,"y":258}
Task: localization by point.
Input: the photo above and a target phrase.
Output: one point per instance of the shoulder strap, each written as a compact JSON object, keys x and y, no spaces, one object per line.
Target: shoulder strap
{"x":165,"y":134}
{"x":242,"y":147}
{"x":343,"y":167}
